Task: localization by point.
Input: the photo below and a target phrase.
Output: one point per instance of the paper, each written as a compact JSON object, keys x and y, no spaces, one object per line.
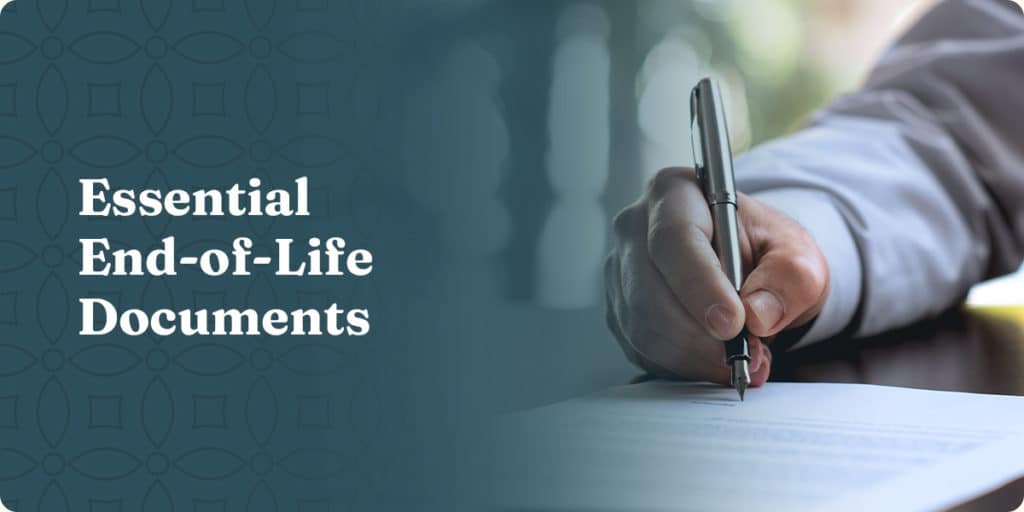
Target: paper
{"x":790,"y":446}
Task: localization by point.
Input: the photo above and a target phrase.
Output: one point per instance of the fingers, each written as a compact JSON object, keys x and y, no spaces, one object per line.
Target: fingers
{"x":760,"y":362}
{"x":668,"y":298}
{"x":789,"y":282}
{"x":679,"y":244}
{"x":653,"y":329}
{"x":659,"y":329}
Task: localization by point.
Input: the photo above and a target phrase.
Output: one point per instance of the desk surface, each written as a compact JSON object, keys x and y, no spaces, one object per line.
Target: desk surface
{"x":974,"y":350}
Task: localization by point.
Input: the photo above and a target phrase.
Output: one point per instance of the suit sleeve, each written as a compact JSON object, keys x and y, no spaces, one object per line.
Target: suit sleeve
{"x":913,"y":186}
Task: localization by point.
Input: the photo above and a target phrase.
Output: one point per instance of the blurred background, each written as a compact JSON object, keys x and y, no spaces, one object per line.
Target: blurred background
{"x":555,"y":113}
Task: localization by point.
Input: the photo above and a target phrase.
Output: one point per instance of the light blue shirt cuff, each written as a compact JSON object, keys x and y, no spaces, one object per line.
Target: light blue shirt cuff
{"x":816,"y":212}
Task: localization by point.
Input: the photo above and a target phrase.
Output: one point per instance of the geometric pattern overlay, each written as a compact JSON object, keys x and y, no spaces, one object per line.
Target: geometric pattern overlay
{"x":182,"y":94}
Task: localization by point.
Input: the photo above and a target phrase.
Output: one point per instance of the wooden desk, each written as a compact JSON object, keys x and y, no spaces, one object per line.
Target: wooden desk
{"x":974,"y":350}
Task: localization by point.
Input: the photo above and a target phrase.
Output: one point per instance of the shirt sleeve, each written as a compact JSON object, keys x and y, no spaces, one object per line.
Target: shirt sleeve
{"x":913,"y":186}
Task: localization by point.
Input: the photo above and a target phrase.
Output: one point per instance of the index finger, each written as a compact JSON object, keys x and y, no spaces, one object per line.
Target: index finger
{"x":679,"y":244}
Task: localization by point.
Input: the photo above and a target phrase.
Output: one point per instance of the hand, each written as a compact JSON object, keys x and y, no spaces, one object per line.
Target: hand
{"x":669,"y":303}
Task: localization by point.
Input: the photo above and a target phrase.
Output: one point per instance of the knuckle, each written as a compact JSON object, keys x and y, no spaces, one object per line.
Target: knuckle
{"x":624,"y":222}
{"x":637,"y":302}
{"x":632,"y":353}
{"x":625,"y":314}
{"x":611,"y":320}
{"x":809,"y":273}
{"x":626,"y":342}
{"x":658,"y":235}
{"x":665,"y":179}
{"x":610,"y":269}
{"x":620,"y":223}
{"x":662,"y":233}
{"x":633,"y":320}
{"x":637,"y":336}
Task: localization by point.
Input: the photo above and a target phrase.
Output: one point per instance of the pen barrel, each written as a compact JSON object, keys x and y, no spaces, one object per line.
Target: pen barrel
{"x":726,"y":241}
{"x":710,"y":139}
{"x":713,"y":163}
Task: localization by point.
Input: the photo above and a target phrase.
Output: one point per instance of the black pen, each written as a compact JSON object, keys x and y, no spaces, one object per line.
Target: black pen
{"x":713,"y":162}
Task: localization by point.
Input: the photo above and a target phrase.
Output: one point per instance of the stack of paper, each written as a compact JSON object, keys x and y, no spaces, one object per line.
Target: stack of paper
{"x":689,"y":446}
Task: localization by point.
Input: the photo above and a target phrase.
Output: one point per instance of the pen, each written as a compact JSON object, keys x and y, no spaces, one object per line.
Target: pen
{"x":713,"y":163}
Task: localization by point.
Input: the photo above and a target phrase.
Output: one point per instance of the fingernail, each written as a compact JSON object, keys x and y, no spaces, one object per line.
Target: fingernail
{"x":766,"y":306}
{"x":719,"y":321}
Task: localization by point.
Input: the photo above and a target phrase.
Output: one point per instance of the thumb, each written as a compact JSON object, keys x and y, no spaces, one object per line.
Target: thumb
{"x":789,"y":281}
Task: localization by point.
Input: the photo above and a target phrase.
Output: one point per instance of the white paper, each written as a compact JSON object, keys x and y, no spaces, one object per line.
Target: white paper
{"x":790,"y":446}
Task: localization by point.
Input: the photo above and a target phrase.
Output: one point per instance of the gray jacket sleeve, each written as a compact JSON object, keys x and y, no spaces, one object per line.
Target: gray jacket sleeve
{"x":914,"y":185}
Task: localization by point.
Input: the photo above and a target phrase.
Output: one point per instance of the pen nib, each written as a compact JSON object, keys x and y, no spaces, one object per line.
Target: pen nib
{"x":740,"y":376}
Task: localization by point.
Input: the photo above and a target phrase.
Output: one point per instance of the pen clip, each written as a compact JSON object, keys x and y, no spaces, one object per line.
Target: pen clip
{"x":695,"y":141}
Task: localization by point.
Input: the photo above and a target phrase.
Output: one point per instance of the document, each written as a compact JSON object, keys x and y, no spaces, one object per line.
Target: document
{"x":789,"y":446}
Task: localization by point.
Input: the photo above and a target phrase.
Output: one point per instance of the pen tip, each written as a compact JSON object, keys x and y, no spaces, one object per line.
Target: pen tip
{"x":740,"y":377}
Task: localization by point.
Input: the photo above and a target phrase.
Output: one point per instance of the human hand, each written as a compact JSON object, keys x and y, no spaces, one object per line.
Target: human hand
{"x":670,"y":305}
